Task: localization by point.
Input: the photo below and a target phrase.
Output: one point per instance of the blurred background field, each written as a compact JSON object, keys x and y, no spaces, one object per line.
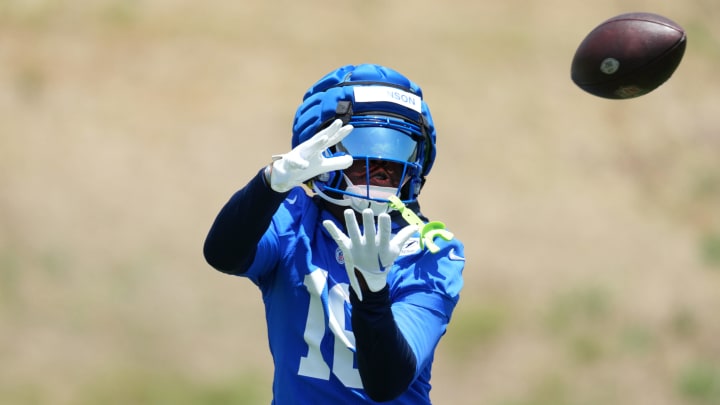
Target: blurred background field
{"x":592,"y":227}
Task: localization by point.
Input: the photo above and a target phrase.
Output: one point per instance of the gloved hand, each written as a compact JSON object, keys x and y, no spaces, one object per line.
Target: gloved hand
{"x":306,"y":160}
{"x":371,"y":254}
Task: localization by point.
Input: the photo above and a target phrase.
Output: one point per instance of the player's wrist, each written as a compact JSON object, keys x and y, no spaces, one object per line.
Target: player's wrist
{"x":371,"y":299}
{"x":267,"y":173}
{"x":371,"y":282}
{"x":361,"y":280}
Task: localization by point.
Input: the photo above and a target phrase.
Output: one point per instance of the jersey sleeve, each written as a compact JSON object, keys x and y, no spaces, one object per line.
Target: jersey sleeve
{"x":424,"y":296}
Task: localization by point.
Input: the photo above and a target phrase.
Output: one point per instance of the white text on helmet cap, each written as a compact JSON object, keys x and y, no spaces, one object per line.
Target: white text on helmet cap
{"x":371,"y":94}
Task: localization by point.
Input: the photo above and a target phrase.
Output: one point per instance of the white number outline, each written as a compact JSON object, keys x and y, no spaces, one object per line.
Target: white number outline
{"x":313,"y":364}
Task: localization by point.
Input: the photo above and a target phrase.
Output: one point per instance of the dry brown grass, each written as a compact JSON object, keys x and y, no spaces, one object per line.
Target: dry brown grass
{"x":592,"y":227}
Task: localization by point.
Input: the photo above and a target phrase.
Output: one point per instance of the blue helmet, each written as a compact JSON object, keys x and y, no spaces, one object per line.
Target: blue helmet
{"x":391,"y":123}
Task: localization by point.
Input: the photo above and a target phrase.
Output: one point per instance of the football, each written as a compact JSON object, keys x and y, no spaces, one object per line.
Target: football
{"x":628,"y":55}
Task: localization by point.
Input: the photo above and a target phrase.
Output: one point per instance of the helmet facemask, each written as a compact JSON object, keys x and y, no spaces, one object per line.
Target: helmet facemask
{"x":387,"y":155}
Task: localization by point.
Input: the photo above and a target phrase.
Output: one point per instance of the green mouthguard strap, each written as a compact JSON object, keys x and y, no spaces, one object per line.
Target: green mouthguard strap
{"x":428,"y":231}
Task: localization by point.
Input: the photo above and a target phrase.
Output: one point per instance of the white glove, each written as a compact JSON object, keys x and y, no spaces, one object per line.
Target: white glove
{"x":306,"y":160}
{"x":372,"y":253}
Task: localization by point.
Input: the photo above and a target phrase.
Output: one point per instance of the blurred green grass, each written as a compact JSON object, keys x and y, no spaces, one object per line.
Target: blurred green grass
{"x":142,"y":386}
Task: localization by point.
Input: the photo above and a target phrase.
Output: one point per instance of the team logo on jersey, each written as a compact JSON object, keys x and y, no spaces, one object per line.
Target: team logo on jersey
{"x":412,"y":246}
{"x":339,"y":256}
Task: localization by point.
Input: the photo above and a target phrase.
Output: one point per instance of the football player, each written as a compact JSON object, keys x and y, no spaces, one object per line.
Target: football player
{"x":358,"y":286}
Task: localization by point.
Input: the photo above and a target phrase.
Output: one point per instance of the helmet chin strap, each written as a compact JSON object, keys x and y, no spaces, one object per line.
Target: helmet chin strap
{"x":374,"y":192}
{"x":359,"y":204}
{"x":377,"y":207}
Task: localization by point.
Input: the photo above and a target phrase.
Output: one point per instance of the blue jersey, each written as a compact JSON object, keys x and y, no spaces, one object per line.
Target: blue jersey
{"x":299,"y":269}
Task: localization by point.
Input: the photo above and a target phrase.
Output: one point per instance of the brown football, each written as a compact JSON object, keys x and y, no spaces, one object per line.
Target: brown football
{"x":628,"y":55}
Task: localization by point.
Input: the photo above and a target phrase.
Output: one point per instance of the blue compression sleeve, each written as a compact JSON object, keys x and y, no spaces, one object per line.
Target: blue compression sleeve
{"x":231,"y":244}
{"x":385,"y":360}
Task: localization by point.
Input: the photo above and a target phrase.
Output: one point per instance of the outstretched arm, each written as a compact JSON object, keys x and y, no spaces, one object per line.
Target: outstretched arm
{"x":385,"y":360}
{"x":230,"y":245}
{"x":232,"y":242}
